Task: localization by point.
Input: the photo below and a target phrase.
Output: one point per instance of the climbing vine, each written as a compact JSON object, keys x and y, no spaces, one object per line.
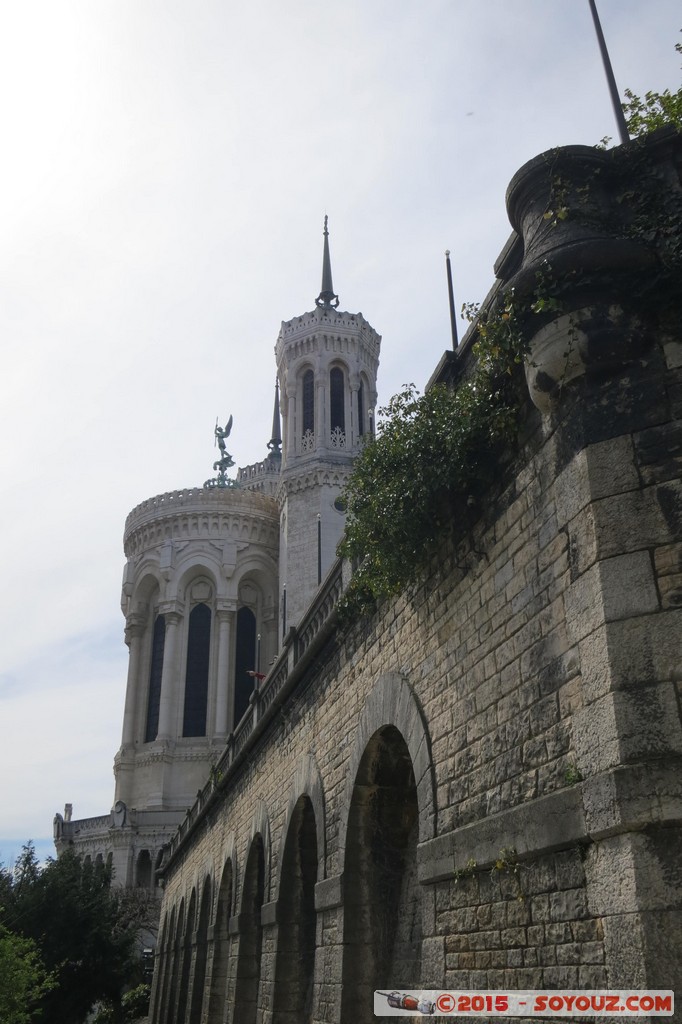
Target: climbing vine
{"x":436,"y":453}
{"x":654,"y":110}
{"x":433,"y":456}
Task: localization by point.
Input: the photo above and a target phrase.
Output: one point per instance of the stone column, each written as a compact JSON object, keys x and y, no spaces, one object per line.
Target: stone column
{"x":321,"y":424}
{"x":134,"y":633}
{"x":224,"y":702}
{"x":290,"y":425}
{"x":169,"y":676}
{"x":353,"y":416}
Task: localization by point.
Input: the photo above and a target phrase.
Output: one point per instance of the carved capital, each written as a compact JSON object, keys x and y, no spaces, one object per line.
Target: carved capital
{"x":135,"y":626}
{"x":172,"y":612}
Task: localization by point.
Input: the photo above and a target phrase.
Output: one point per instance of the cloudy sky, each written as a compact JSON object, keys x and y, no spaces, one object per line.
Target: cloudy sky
{"x":166,"y":169}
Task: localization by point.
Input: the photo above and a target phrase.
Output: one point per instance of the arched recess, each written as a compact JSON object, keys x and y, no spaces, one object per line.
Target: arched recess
{"x":159,"y":1011}
{"x":382,"y":928}
{"x":392,"y":702}
{"x":201,"y":957}
{"x":251,"y":933}
{"x":197,"y":671}
{"x":158,"y":643}
{"x":389,"y":806}
{"x":295,"y":963}
{"x":185,"y":964}
{"x":307,"y":782}
{"x":337,"y":405}
{"x":175,"y":965}
{"x":307,"y":403}
{"x":244,"y":661}
{"x":221,"y":946}
{"x":143,"y":870}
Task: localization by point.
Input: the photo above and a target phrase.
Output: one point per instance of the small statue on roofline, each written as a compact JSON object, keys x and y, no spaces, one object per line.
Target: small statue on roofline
{"x":225,"y":461}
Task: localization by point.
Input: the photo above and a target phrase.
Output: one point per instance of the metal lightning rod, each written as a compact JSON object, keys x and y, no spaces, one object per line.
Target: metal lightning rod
{"x":613,"y":88}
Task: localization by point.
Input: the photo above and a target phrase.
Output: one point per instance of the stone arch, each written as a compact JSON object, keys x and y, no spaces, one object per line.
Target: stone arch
{"x":159,"y":1010}
{"x":143,"y":870}
{"x":382,"y":921}
{"x":175,"y":964}
{"x":201,"y":955}
{"x":221,"y":941}
{"x":297,"y":920}
{"x":307,"y":782}
{"x":193,"y":567}
{"x":185,"y":958}
{"x":260,"y":826}
{"x":247,"y":985}
{"x":146,"y":587}
{"x":392,"y":702}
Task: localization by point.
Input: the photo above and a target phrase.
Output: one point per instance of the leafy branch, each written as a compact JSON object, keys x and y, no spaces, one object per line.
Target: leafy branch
{"x":433,"y":455}
{"x":655,"y":110}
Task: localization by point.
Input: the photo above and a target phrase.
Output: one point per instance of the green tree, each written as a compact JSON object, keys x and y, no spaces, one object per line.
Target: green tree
{"x":24,"y":982}
{"x":86,"y":931}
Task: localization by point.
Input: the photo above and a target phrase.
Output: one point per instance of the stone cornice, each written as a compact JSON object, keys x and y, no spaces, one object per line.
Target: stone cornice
{"x":216,"y":514}
{"x":301,"y":478}
{"x":325,"y":330}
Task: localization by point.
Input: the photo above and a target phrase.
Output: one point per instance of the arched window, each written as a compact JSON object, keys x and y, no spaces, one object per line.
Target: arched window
{"x":155,"y":673}
{"x":196,"y":679}
{"x":143,"y":874}
{"x":361,"y":409}
{"x":308,"y":401}
{"x":245,"y":661}
{"x":337,"y":405}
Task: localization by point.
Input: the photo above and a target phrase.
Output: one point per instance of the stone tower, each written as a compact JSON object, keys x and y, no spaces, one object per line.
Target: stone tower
{"x":327,"y":363}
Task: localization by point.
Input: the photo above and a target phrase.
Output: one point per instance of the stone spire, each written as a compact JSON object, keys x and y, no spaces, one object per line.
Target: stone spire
{"x":275,"y":442}
{"x":327,"y":296}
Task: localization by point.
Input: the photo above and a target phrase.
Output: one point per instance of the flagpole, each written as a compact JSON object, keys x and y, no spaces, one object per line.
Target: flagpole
{"x":613,"y":88}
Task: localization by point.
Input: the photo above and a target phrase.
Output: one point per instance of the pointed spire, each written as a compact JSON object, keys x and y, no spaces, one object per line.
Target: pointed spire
{"x":326,"y":297}
{"x":275,"y":442}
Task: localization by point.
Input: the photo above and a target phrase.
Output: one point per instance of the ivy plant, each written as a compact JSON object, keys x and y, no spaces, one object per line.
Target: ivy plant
{"x":654,"y":110}
{"x":434,"y":453}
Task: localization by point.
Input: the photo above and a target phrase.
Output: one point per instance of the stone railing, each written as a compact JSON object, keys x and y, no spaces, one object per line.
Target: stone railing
{"x":83,"y":826}
{"x":273,"y":693}
{"x":268,"y":467}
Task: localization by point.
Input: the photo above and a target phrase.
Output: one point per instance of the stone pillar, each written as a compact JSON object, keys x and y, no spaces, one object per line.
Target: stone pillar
{"x":224,"y":702}
{"x":290,"y":424}
{"x":134,"y":633}
{"x":352,"y":416}
{"x":321,"y":425}
{"x":169,"y":676}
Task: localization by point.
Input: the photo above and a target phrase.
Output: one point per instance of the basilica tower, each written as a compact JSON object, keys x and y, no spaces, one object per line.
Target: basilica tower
{"x":327,"y":363}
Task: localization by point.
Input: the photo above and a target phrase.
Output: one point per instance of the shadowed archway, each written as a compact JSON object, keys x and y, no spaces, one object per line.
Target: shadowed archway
{"x":250,"y":935}
{"x":382,"y":899}
{"x":221,"y":948}
{"x":295,"y":965}
{"x":200,"y":958}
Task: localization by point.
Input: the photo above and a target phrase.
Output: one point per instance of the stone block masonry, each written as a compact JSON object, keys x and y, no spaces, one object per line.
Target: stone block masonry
{"x":479,"y":786}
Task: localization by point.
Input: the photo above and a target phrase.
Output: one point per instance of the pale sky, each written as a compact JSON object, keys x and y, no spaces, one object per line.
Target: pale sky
{"x":166,"y":169}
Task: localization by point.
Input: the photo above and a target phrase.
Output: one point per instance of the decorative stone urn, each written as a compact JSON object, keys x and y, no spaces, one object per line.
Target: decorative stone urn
{"x":570,"y":207}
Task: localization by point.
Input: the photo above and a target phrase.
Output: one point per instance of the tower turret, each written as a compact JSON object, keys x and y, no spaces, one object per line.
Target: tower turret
{"x":327,"y":363}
